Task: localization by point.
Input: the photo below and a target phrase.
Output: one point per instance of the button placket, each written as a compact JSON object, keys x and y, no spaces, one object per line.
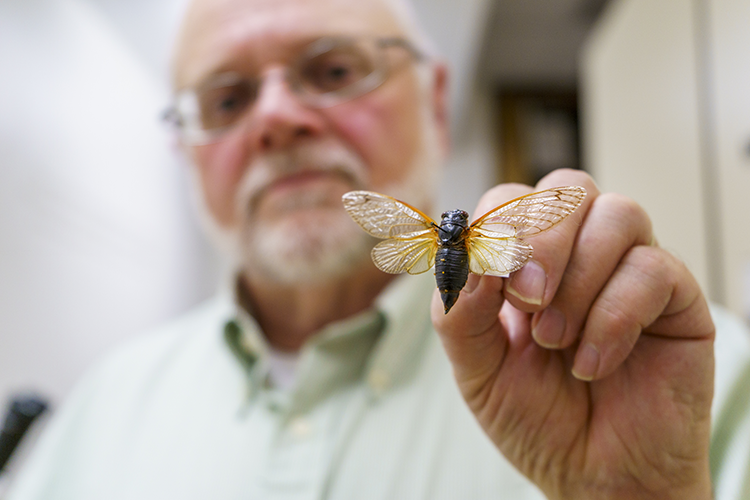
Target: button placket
{"x":294,"y":460}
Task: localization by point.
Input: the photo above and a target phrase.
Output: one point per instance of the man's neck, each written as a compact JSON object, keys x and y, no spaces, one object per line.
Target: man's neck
{"x":288,"y":315}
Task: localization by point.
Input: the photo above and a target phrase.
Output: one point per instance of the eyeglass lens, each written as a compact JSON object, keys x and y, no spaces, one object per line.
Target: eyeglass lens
{"x":335,"y":71}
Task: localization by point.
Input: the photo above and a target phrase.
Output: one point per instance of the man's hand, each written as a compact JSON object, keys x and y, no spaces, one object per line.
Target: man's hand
{"x":591,"y":368}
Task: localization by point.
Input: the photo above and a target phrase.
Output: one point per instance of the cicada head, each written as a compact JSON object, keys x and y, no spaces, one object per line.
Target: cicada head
{"x":456,"y":217}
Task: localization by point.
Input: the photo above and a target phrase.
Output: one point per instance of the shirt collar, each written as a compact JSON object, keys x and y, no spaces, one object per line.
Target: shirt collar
{"x":378,"y":345}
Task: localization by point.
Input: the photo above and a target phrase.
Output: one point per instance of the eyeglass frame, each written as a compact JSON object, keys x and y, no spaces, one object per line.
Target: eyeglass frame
{"x":177,"y":120}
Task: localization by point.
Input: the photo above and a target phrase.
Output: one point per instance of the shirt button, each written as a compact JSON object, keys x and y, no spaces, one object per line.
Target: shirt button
{"x":379,"y":380}
{"x":300,"y":427}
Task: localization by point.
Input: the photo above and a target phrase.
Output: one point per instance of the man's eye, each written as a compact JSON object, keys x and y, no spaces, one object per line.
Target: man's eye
{"x":220,"y":107}
{"x":230,"y":100}
{"x":338,"y":73}
{"x":335,"y":71}
{"x":229,"y":103}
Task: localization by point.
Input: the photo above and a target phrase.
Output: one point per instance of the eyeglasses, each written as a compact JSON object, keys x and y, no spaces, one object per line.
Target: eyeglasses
{"x":329,"y":71}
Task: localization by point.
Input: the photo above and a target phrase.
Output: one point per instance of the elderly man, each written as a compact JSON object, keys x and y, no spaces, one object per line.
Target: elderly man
{"x":587,"y":374}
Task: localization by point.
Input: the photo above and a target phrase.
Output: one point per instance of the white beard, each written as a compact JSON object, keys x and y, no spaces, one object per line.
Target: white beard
{"x":311,"y":252}
{"x":308,"y":237}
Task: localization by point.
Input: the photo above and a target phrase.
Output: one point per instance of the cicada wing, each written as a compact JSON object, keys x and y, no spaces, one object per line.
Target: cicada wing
{"x":531,"y":214}
{"x":386,"y":217}
{"x":497,"y":256}
{"x":414,"y":256}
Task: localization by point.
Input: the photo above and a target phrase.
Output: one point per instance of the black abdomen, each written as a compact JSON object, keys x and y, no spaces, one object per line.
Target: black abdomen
{"x":451,"y":272}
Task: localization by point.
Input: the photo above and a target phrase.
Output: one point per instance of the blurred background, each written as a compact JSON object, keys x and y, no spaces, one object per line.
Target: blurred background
{"x":97,"y":234}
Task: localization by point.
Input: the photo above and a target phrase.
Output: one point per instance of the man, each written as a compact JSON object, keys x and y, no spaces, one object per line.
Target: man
{"x":590,"y":369}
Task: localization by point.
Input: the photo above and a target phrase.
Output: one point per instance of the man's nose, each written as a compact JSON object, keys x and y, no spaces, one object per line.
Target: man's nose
{"x":280,"y":117}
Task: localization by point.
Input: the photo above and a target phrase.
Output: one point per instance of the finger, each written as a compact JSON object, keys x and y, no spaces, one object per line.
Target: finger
{"x":534,"y":285}
{"x":516,"y":324}
{"x":471,"y":332}
{"x":649,"y":291}
{"x":613,"y":225}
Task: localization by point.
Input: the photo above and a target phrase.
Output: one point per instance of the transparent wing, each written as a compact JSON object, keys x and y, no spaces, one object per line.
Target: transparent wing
{"x":386,"y":217}
{"x":531,"y":214}
{"x":410,"y":236}
{"x":497,"y":256}
{"x":415,"y":255}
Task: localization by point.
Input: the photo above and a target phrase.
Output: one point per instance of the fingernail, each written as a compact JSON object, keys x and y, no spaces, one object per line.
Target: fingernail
{"x":550,"y":328}
{"x":528,"y":283}
{"x":586,"y":363}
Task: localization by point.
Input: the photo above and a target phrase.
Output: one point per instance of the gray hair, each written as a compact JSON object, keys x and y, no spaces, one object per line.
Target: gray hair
{"x":406,"y":16}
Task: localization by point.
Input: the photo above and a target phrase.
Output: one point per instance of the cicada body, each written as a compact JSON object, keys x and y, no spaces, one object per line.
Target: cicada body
{"x":494,"y":244}
{"x":452,"y":256}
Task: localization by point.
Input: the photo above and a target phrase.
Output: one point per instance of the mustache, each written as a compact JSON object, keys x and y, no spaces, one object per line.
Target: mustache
{"x":315,"y":157}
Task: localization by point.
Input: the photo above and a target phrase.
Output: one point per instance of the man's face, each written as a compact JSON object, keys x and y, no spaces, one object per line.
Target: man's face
{"x":276,"y":179}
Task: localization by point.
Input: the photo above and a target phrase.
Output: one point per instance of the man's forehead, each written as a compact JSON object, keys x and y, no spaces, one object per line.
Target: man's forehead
{"x":221,"y":29}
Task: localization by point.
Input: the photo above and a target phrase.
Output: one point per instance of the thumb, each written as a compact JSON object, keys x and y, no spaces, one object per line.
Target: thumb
{"x":472,"y":333}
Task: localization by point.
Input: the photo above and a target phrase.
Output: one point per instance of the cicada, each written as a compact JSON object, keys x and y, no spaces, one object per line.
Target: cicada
{"x":494,"y":244}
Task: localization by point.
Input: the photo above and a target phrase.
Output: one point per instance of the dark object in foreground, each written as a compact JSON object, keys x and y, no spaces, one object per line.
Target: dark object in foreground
{"x":22,"y":411}
{"x":492,"y":245}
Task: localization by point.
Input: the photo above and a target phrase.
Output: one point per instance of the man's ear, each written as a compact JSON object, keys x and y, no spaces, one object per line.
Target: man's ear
{"x":440,"y":105}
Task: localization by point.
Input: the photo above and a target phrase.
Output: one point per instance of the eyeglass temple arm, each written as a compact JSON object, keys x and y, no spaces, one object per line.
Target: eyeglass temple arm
{"x":405,"y":44}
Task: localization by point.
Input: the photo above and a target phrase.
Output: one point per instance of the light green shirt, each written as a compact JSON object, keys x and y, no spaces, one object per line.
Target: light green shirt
{"x":188,"y":413}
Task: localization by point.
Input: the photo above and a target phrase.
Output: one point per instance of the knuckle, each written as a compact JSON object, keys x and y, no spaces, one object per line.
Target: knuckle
{"x":649,"y":273}
{"x":625,"y":216}
{"x":616,"y":316}
{"x":649,"y":265}
{"x":569,"y":176}
{"x":622,"y":205}
{"x":669,"y":287}
{"x":653,"y":262}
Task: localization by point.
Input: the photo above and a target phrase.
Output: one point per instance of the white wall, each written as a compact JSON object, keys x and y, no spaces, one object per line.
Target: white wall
{"x":667,"y":122}
{"x":96,"y":237}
